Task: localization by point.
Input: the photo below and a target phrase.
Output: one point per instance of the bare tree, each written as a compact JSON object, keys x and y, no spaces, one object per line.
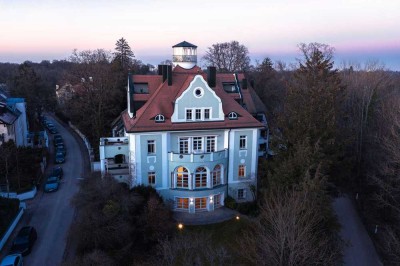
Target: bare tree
{"x":228,"y":56}
{"x":290,"y":230}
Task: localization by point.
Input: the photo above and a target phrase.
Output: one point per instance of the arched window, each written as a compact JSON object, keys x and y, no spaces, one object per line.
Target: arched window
{"x":216,"y":175}
{"x":232,"y":116}
{"x":182,"y":177}
{"x":159,"y":118}
{"x":201,"y":177}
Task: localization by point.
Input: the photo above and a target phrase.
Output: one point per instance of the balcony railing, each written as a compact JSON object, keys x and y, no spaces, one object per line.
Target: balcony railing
{"x":113,"y":141}
{"x":198,"y":157}
{"x":117,"y":168}
{"x":184,"y":58}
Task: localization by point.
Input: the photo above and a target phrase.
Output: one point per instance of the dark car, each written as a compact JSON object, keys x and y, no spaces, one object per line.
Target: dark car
{"x":53,"y":130}
{"x":58,"y":172}
{"x":24,"y":241}
{"x":52,"y":184}
{"x":60,"y":158}
{"x":58,"y":141}
{"x":61,"y":148}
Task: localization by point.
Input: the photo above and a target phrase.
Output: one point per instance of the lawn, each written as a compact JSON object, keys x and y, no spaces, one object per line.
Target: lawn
{"x":223,"y":234}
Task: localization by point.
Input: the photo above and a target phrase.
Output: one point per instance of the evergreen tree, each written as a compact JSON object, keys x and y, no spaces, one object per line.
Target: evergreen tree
{"x":123,"y":55}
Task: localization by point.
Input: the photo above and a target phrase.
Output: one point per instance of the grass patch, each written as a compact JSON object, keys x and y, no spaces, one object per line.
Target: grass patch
{"x":224,"y":234}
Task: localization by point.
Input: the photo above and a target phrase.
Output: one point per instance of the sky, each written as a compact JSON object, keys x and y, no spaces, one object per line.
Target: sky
{"x":359,"y":30}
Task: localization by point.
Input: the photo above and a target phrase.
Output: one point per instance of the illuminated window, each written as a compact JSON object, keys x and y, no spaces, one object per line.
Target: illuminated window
{"x":182,"y":203}
{"x":151,"y":146}
{"x":201,"y":177}
{"x":151,"y":178}
{"x":182,"y":177}
{"x":216,"y":175}
{"x":242,"y":171}
{"x":200,"y":203}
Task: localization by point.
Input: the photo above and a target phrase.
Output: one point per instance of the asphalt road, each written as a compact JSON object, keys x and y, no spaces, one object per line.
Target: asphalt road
{"x":359,"y":250}
{"x":52,"y":213}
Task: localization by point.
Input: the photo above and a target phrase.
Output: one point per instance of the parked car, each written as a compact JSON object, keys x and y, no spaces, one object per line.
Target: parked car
{"x":49,"y":124}
{"x":58,"y":141}
{"x":53,"y":129}
{"x":61,"y":148}
{"x":58,"y":172}
{"x":52,"y":184}
{"x":24,"y":241}
{"x":60,"y":157}
{"x":13,"y":260}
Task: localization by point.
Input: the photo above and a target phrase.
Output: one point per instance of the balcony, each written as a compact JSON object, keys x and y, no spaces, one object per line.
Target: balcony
{"x":198,"y":157}
{"x":114,"y":141}
{"x":184,"y":58}
{"x":117,"y":168}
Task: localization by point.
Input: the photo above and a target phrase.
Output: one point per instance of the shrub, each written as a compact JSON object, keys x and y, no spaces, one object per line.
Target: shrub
{"x":8,"y":210}
{"x":248,"y":208}
{"x":230,"y":203}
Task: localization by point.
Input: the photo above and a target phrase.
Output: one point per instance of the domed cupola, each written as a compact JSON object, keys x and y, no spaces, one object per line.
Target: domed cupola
{"x":185,"y":55}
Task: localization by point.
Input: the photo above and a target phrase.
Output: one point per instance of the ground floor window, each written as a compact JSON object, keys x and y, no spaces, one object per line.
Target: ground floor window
{"x":152,"y":178}
{"x":182,"y":203}
{"x":200,"y":203}
{"x":217,"y":201}
{"x":241,"y":194}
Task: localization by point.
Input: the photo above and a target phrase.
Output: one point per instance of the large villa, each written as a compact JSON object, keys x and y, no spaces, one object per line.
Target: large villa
{"x":194,"y":135}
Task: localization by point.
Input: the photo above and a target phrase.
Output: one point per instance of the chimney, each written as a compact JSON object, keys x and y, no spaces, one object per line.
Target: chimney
{"x":159,"y":70}
{"x":169,"y":75}
{"x":211,"y":76}
{"x":131,"y":102}
{"x":244,"y":84}
{"x":164,"y":72}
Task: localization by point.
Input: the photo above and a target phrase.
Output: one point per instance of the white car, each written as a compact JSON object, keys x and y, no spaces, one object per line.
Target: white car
{"x":13,"y":260}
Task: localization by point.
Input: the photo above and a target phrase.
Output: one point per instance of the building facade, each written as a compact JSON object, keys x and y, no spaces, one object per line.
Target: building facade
{"x":13,"y":121}
{"x":194,"y":135}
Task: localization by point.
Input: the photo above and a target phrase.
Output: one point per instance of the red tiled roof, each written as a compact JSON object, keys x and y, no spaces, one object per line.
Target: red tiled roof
{"x":161,"y":99}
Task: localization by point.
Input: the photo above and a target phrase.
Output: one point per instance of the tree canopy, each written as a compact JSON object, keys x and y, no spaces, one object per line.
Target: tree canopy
{"x":228,"y":56}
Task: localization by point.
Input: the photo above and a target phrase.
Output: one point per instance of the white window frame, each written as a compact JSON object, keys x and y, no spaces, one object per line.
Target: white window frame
{"x":244,"y":171}
{"x":189,"y":114}
{"x":151,"y":143}
{"x":243,"y":142}
{"x":186,"y":148}
{"x":197,"y":144}
{"x":151,"y":176}
{"x":201,"y":175}
{"x":208,"y":112}
{"x":198,"y":114}
{"x":210,"y":143}
{"x":159,"y":118}
{"x":232,"y":116}
{"x":243,"y":192}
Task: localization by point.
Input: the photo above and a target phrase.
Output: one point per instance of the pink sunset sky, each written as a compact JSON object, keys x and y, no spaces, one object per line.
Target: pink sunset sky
{"x":47,"y":30}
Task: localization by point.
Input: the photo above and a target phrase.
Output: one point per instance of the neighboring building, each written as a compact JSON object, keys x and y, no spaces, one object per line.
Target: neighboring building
{"x":194,"y":136}
{"x":13,"y":121}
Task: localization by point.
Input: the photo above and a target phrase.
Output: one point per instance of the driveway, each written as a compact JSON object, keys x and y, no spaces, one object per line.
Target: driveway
{"x":51,"y":213}
{"x":359,"y":250}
